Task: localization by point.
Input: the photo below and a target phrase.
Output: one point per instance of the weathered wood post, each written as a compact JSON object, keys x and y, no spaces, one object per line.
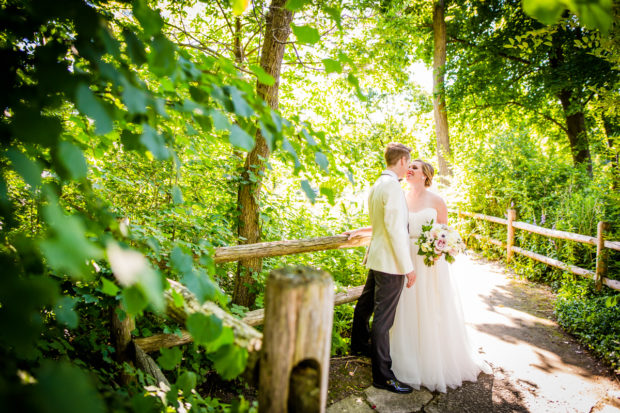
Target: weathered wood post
{"x":601,"y":254}
{"x":510,"y":234}
{"x":294,"y":364}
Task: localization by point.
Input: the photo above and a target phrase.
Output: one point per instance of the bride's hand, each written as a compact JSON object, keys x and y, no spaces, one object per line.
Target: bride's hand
{"x":411,"y":279}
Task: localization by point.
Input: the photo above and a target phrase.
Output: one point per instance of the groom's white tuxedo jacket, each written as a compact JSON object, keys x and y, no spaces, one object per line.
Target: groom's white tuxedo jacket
{"x":389,"y":246}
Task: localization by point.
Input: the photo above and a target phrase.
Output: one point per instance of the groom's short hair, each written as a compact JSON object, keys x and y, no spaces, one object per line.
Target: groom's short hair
{"x":394,"y":151}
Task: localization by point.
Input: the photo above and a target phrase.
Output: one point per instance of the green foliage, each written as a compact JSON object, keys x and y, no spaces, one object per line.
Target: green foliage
{"x":595,"y":14}
{"x":587,"y":316}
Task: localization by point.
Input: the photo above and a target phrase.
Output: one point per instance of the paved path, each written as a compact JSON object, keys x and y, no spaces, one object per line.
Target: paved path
{"x":536,"y":366}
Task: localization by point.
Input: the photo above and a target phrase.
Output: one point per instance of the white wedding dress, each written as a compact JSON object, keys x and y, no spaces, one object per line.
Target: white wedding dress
{"x":429,"y":343}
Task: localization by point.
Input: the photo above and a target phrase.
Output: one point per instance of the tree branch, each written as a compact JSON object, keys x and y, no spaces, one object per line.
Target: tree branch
{"x":504,"y":55}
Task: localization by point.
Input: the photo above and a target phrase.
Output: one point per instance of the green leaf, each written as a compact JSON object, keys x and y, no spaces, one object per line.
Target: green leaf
{"x":203,"y":328}
{"x":134,"y":98}
{"x":30,"y":126}
{"x":227,"y":337}
{"x":154,"y":142}
{"x":240,"y":138}
{"x":200,"y":285}
{"x":108,"y":287}
{"x":595,"y":14}
{"x":286,"y":145}
{"x":181,"y":261}
{"x":186,"y":382}
{"x":230,"y":361}
{"x":296,"y":5}
{"x":92,"y":107}
{"x":131,"y":268}
{"x":73,"y":160}
{"x":178,"y":298}
{"x":162,"y":59}
{"x":262,"y":76}
{"x":133,"y":300}
{"x":335,"y":15}
{"x":170,"y":358}
{"x":53,"y":381}
{"x":177,"y":195}
{"x":67,"y":248}
{"x":547,"y":11}
{"x":305,"y":185}
{"x":267,"y":135}
{"x":239,"y":6}
{"x":322,"y":161}
{"x":131,"y":141}
{"x":241,"y":106}
{"x":28,"y":169}
{"x":149,"y":19}
{"x":329,"y":193}
{"x":135,"y":47}
{"x":306,"y":34}
{"x":219,"y":120}
{"x":332,"y":66}
{"x":65,"y":313}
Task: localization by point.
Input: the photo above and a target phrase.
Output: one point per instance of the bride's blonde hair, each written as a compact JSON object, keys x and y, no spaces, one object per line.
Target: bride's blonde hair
{"x":427,"y":170}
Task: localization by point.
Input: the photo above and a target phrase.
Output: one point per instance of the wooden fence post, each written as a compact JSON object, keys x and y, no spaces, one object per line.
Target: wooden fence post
{"x":601,"y":254}
{"x":510,"y":234}
{"x":294,"y":364}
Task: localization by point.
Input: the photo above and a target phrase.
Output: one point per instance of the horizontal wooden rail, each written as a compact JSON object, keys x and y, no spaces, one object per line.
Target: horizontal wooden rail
{"x":256,"y":317}
{"x":555,"y":263}
{"x":279,"y":248}
{"x":554,"y":233}
{"x":251,"y":319}
{"x":484,"y":217}
{"x":599,"y":241}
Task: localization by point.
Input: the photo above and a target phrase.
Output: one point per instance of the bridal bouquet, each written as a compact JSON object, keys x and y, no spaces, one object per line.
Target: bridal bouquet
{"x":438,"y":239}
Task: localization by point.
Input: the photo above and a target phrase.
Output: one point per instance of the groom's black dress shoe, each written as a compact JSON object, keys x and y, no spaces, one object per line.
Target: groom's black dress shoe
{"x":394,"y":386}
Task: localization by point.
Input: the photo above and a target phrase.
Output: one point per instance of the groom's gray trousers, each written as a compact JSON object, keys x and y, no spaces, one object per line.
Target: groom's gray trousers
{"x":380,"y":296}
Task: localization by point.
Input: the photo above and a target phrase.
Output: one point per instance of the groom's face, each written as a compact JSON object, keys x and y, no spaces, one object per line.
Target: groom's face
{"x":404,"y":166}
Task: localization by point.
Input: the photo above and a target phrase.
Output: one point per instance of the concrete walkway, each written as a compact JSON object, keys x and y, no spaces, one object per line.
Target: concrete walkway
{"x":536,"y":366}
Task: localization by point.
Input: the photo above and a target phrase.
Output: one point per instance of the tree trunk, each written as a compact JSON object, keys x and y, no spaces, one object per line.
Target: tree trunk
{"x":439,"y":97}
{"x":576,"y":131}
{"x":573,"y":111}
{"x":612,"y":131}
{"x":277,"y":30}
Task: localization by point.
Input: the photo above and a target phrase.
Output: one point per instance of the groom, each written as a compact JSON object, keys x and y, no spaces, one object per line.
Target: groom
{"x":388,"y":261}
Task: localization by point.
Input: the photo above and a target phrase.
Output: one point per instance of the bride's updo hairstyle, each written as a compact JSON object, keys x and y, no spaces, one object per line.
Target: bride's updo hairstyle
{"x":428,"y":171}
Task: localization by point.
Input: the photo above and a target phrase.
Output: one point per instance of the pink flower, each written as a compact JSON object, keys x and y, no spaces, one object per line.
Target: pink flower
{"x":440,"y":245}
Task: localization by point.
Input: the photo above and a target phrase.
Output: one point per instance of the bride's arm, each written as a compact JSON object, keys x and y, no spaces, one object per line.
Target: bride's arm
{"x":442,"y":211}
{"x":360,"y":232}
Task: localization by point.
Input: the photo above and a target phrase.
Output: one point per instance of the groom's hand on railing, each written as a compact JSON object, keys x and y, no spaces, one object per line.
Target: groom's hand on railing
{"x":411,"y":279}
{"x":354,"y":233}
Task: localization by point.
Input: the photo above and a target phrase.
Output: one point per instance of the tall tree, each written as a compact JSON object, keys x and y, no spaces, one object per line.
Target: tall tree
{"x":277,"y":31}
{"x":439,"y":97}
{"x":504,"y":60}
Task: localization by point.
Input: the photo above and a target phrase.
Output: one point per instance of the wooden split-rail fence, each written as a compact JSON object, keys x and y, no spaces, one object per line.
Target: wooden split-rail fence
{"x":290,"y":359}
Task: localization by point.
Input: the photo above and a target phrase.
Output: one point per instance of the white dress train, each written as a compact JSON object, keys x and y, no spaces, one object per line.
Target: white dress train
{"x":429,"y":344}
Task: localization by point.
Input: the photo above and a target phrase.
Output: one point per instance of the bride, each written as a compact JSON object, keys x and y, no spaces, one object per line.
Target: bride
{"x":429,"y":344}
